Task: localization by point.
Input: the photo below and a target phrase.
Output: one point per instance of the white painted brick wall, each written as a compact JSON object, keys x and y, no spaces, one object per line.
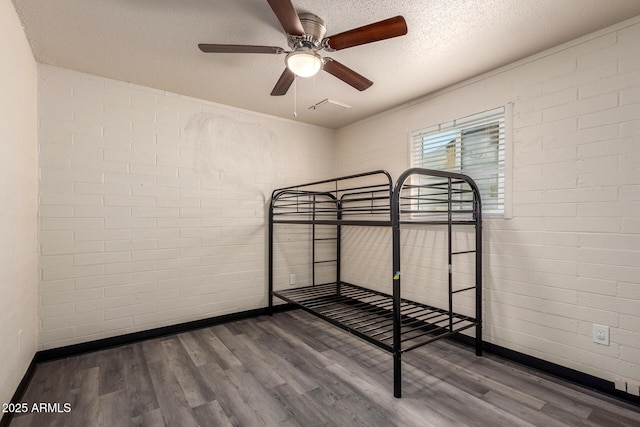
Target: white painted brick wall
{"x":152,"y":206}
{"x":18,"y":203}
{"x":570,"y":257}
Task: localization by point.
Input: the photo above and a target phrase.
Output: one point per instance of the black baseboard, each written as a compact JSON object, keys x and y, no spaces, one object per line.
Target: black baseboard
{"x":101,"y":344}
{"x":558,"y":371}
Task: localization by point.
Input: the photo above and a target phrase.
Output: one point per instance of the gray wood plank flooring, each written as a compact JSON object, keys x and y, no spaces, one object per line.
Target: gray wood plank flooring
{"x":293,"y":369}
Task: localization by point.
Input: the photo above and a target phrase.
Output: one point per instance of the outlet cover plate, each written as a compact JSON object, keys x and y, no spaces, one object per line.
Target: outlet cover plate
{"x":601,"y":334}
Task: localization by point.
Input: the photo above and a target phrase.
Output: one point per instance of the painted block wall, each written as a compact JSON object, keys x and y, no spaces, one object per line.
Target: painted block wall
{"x":18,"y":202}
{"x":570,"y":256}
{"x":153,"y":205}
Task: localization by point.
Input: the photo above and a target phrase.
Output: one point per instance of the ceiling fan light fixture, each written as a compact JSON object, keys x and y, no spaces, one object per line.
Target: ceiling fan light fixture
{"x":304,"y":63}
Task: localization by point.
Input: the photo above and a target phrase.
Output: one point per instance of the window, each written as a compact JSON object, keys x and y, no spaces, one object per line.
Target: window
{"x":473,"y":145}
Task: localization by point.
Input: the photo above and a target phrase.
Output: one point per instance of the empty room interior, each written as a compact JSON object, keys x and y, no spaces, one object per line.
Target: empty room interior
{"x":294,"y":212}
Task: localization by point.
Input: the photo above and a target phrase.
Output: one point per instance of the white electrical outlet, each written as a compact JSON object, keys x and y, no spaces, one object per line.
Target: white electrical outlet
{"x":600,"y":334}
{"x":292,"y":279}
{"x":20,"y":341}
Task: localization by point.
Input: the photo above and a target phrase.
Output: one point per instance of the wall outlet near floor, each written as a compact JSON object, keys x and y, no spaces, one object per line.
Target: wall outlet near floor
{"x":292,"y":279}
{"x":600,"y":334}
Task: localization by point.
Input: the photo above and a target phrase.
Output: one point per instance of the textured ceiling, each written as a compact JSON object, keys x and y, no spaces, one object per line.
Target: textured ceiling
{"x":154,"y":43}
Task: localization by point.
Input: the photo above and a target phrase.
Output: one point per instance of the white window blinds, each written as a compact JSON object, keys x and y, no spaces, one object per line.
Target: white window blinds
{"x":474,"y":146}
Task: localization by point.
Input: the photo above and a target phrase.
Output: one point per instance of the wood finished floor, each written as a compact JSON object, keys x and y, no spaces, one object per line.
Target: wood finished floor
{"x":295,"y":370}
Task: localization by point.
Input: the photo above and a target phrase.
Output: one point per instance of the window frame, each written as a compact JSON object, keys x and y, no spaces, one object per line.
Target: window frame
{"x":469,"y":124}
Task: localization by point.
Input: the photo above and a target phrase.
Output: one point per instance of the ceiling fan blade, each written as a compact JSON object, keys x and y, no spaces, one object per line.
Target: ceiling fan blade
{"x":288,"y":17}
{"x":346,"y":74}
{"x":382,"y":30}
{"x":239,"y":48}
{"x":284,"y":82}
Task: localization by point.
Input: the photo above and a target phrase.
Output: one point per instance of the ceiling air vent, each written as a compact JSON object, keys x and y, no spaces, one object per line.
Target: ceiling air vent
{"x":330,"y":106}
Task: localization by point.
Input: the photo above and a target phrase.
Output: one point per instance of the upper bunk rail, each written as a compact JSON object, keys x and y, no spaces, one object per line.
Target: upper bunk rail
{"x":373,"y":197}
{"x":312,"y":199}
{"x":441,"y":185}
{"x":337,"y":180}
{"x":419,"y":195}
{"x":363,"y":197}
{"x":340,"y":193}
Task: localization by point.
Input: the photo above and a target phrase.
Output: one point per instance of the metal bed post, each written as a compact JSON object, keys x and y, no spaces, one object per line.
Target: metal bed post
{"x":313,"y":242}
{"x":450,"y":249}
{"x":270,"y":292}
{"x":477,"y":212}
{"x":338,"y":244}
{"x":397,"y":319}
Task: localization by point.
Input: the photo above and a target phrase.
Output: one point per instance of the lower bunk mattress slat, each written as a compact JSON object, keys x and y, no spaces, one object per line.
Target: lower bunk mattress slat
{"x":369,"y":314}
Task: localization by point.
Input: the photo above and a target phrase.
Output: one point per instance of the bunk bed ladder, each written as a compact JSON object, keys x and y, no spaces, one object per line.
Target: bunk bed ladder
{"x":478,"y":260}
{"x":451,"y":252}
{"x":324,"y":238}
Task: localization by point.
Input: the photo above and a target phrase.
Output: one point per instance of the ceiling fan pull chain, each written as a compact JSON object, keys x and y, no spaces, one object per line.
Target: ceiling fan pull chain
{"x":295,"y":97}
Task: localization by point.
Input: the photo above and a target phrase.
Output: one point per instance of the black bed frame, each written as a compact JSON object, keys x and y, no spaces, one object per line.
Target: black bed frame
{"x":419,"y":197}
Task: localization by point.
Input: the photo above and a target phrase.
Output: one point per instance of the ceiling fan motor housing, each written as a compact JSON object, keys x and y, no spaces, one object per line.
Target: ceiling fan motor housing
{"x":314,"y":32}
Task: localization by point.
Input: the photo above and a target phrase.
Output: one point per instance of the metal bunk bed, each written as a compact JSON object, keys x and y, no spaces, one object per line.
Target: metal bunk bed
{"x":420,"y":197}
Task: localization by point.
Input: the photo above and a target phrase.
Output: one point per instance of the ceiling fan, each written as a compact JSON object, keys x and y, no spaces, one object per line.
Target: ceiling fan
{"x":306,"y":36}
